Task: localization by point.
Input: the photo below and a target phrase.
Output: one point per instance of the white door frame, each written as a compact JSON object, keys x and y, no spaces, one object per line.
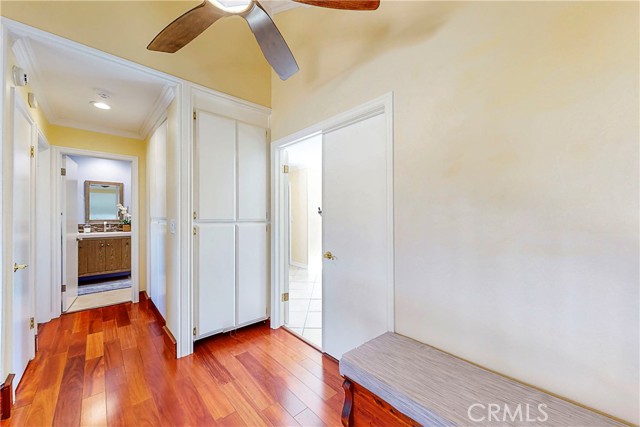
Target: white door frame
{"x":381,"y":105}
{"x":43,"y":145}
{"x":56,"y":191}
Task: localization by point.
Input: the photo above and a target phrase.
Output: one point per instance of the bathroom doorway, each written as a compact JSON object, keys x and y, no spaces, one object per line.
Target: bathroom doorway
{"x":97,"y":197}
{"x":303,"y":312}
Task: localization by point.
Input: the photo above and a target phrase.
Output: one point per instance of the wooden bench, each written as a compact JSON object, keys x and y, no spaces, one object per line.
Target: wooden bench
{"x":395,"y":381}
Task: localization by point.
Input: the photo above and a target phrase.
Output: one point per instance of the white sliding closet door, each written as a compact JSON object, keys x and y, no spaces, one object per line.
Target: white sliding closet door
{"x":252,"y":273}
{"x":215,"y":157}
{"x":216,"y":277}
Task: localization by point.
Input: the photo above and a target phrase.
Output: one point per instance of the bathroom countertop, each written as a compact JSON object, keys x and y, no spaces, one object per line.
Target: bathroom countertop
{"x":103,"y":234}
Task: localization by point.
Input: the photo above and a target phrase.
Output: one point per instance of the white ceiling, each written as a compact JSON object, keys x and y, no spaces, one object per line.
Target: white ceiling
{"x":65,"y":80}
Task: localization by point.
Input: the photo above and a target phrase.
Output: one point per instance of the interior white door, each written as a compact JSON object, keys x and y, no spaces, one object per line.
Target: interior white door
{"x":70,"y":233}
{"x":216,"y":277}
{"x":215,"y":158}
{"x":22,"y":302}
{"x":252,"y":273}
{"x":355,"y":232}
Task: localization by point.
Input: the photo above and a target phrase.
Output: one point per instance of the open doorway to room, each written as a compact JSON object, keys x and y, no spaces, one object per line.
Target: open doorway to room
{"x":96,"y":201}
{"x":304,"y":309}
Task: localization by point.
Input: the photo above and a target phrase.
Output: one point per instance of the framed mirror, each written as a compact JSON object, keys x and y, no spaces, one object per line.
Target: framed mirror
{"x":101,"y":201}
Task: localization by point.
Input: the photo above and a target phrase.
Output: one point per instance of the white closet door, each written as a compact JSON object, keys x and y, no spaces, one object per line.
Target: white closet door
{"x":252,"y":172}
{"x":216,"y":277}
{"x":158,"y":282}
{"x":252,"y":273}
{"x":215,"y":158}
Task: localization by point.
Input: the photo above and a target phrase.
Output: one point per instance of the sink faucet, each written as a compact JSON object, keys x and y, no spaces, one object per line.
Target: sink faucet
{"x":104,"y":227}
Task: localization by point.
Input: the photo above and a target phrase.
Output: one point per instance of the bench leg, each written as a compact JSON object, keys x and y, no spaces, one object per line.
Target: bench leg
{"x":347,"y":408}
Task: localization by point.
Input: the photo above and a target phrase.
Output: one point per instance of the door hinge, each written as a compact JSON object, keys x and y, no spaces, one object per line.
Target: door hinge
{"x":195,"y":115}
{"x":32,"y":323}
{"x":33,"y":151}
{"x":63,"y":171}
{"x":285,"y":297}
{"x":64,"y":288}
{"x":195,"y":231}
{"x":285,"y":168}
{"x":194,"y":214}
{"x":195,"y":331}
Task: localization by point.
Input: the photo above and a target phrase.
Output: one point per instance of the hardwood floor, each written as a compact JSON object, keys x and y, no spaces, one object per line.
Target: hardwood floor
{"x":114,"y":366}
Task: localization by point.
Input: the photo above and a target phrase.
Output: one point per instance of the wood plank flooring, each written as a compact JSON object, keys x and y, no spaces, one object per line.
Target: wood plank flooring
{"x":113,"y":366}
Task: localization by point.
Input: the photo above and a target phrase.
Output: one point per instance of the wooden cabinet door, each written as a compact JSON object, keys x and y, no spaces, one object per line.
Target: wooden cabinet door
{"x":95,"y":256}
{"x":82,"y":258}
{"x":126,"y":253}
{"x":113,"y":254}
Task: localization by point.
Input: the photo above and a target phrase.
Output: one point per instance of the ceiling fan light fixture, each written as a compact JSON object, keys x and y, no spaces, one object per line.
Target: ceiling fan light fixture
{"x":232,"y":6}
{"x":101,"y":105}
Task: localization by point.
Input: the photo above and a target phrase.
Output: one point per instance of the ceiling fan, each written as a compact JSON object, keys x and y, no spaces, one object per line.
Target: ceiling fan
{"x":191,"y":24}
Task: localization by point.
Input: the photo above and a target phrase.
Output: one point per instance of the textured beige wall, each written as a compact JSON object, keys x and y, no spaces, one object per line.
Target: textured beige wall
{"x":299,"y":216}
{"x":516,"y":176}
{"x":226,"y":57}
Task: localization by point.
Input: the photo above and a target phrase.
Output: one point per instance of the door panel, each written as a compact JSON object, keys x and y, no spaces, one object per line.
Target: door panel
{"x":82,"y":258}
{"x":113,"y":254}
{"x":125,"y":244}
{"x":22,"y":302}
{"x":215,"y":157}
{"x":252,"y":272}
{"x":158,"y":270}
{"x":70,"y":232}
{"x":355,"y":230}
{"x":252,"y":172}
{"x":216,"y":277}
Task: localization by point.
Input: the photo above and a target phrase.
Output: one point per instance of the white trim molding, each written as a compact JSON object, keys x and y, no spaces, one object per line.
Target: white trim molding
{"x":381,"y":105}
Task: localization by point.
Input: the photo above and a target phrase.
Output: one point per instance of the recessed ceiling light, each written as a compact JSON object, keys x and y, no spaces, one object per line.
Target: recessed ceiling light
{"x":101,"y":105}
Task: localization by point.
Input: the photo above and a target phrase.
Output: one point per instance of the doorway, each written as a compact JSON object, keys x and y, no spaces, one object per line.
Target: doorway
{"x":97,"y":200}
{"x":304,"y":308}
{"x":356,"y":277}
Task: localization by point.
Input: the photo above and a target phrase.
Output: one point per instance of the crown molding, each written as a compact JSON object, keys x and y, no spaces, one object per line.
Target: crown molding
{"x":98,"y":129}
{"x":158,"y":111}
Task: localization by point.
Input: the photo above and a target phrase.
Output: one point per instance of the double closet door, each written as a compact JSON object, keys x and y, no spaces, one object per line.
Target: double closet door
{"x":230,"y":224}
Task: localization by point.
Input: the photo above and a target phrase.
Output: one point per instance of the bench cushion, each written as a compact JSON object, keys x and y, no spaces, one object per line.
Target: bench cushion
{"x":437,"y":389}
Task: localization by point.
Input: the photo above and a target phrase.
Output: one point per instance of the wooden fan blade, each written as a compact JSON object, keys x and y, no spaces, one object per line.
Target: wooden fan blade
{"x":344,"y":4}
{"x":186,"y":28}
{"x":271,"y":42}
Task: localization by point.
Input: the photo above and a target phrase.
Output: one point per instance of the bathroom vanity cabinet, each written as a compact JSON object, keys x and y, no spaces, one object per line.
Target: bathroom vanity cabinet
{"x":103,"y":255}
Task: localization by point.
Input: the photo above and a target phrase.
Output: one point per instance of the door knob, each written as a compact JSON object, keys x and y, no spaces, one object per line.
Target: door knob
{"x":17,"y":267}
{"x":329,"y":255}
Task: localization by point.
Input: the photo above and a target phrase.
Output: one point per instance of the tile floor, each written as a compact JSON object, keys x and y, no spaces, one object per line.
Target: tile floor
{"x":305,"y":303}
{"x":100,"y":299}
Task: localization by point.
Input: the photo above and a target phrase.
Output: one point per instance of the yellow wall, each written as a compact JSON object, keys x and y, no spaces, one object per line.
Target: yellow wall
{"x":86,"y":140}
{"x":226,"y":57}
{"x":516,"y":176}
